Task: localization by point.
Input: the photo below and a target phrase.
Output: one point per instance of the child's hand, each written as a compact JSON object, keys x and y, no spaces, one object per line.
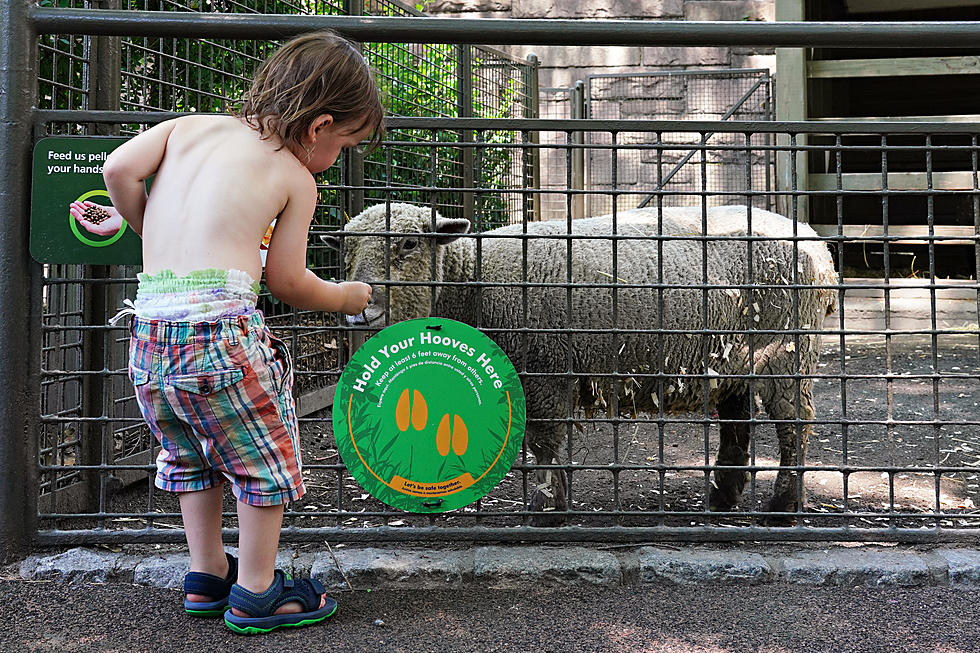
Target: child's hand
{"x":356,"y":296}
{"x":97,"y":219}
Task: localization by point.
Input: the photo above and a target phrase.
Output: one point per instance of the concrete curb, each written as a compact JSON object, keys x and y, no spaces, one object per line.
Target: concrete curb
{"x":348,"y":567}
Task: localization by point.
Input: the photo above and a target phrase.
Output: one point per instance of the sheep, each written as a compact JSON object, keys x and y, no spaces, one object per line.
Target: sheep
{"x":669,"y":368}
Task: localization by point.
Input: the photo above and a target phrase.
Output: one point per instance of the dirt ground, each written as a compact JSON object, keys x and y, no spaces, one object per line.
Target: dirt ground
{"x":930,"y":394}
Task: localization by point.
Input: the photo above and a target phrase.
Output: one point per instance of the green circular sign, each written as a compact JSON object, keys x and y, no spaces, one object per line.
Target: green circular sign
{"x":73,"y":223}
{"x":429,"y":415}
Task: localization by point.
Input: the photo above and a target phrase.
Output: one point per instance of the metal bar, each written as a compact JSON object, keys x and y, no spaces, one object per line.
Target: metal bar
{"x":720,"y":72}
{"x":19,"y":294}
{"x":577,"y":138}
{"x":464,"y":109}
{"x":511,"y":31}
{"x":704,"y":140}
{"x":97,"y":442}
{"x":355,"y":158}
{"x":531,"y":534}
{"x":850,"y":469}
{"x":544,"y":124}
{"x":531,"y":110}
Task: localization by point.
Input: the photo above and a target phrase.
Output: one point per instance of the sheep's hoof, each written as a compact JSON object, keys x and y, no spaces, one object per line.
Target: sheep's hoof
{"x":778,"y":505}
{"x":778,"y":521}
{"x":720,"y":500}
{"x":548,"y":520}
{"x":726,"y":489}
{"x":548,"y":513}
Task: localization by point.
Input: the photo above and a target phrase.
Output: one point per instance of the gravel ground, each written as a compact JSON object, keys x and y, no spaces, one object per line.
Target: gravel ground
{"x":58,"y":617}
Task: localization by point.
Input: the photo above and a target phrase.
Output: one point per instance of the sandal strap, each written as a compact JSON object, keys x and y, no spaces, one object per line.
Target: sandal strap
{"x":284,"y":589}
{"x":198,"y":582}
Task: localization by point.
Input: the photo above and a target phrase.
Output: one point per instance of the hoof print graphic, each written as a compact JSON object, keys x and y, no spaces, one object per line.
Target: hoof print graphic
{"x":420,"y":411}
{"x":457,"y":438}
{"x":461,"y":437}
{"x":415,"y":413}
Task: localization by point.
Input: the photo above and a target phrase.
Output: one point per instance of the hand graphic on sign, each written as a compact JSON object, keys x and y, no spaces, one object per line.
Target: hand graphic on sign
{"x":97,"y":219}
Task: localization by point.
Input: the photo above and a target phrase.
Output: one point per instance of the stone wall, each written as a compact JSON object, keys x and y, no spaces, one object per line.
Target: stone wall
{"x":561,"y":67}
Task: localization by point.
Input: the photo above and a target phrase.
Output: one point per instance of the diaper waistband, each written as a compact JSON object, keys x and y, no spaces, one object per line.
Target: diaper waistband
{"x":184,"y":333}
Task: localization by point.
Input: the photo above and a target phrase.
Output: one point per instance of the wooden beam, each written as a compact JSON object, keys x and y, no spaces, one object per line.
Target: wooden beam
{"x":966,"y":117}
{"x":791,"y":104}
{"x":896,"y":181}
{"x":909,"y":234}
{"x":897,"y":67}
{"x":316,"y":400}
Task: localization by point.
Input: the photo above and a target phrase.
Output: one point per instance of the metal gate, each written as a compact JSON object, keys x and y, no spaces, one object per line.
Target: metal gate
{"x":893,"y":457}
{"x":91,"y":420}
{"x":711,"y":95}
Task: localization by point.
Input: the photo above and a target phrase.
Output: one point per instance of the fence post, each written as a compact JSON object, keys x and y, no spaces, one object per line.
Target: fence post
{"x":355,"y":160}
{"x":464,"y":109}
{"x":577,"y":97}
{"x":532,"y":110}
{"x":19,"y":324}
{"x":101,"y":351}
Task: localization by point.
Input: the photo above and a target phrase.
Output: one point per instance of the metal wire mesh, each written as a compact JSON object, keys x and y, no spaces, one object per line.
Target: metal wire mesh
{"x":703,"y":94}
{"x":64,"y":67}
{"x":894,"y":450}
{"x":448,"y":80}
{"x":894,"y":454}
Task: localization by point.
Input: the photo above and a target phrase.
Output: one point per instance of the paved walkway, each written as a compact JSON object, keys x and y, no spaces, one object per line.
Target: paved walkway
{"x":789,"y":597}
{"x":776,"y":617}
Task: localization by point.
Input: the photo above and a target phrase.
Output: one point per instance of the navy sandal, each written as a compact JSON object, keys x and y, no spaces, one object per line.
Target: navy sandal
{"x":262,"y":607}
{"x":198,"y":582}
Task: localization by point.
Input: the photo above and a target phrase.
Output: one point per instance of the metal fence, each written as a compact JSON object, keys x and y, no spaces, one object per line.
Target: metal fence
{"x":894,"y":450}
{"x":732,"y":94}
{"x":158,"y":74}
{"x":562,"y":104}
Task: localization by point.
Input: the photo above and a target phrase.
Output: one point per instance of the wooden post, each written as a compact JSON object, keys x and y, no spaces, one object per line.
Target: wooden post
{"x":791,"y":104}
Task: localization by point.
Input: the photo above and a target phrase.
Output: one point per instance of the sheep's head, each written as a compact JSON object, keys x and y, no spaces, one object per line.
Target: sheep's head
{"x":408,"y":248}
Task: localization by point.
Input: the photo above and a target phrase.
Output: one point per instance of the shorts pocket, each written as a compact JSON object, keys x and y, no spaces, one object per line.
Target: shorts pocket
{"x":283,"y":370}
{"x":207,"y":383}
{"x":138,"y":377}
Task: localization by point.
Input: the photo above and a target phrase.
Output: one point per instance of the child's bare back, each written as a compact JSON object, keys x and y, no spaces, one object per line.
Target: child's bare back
{"x":218,"y":183}
{"x":216,"y":191}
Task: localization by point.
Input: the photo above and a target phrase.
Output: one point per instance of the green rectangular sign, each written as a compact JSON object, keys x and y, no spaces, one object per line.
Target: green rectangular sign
{"x":67,"y":172}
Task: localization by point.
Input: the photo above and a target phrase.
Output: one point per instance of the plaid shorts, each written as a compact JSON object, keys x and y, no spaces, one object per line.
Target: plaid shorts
{"x":218,"y":397}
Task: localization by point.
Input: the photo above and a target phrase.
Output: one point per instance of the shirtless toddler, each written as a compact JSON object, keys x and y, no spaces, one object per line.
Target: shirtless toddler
{"x":213,"y":383}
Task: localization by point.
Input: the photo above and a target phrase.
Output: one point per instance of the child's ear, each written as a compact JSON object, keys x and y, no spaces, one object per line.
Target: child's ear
{"x":319,"y":123}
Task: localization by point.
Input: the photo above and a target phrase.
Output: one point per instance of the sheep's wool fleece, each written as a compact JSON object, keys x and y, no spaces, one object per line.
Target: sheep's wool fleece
{"x":660,"y":275}
{"x":688,"y":266}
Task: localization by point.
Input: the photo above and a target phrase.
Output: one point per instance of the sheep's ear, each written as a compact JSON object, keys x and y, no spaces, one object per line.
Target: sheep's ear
{"x":333,"y":241}
{"x":449,"y":229}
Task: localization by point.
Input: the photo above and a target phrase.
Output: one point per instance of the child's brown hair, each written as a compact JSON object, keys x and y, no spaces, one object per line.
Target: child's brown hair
{"x":317,"y":73}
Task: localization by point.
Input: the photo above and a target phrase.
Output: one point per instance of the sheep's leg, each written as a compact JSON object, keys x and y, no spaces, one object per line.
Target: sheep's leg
{"x":733,"y":450}
{"x":550,"y":494}
{"x":788,"y":495}
{"x":545,"y":401}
